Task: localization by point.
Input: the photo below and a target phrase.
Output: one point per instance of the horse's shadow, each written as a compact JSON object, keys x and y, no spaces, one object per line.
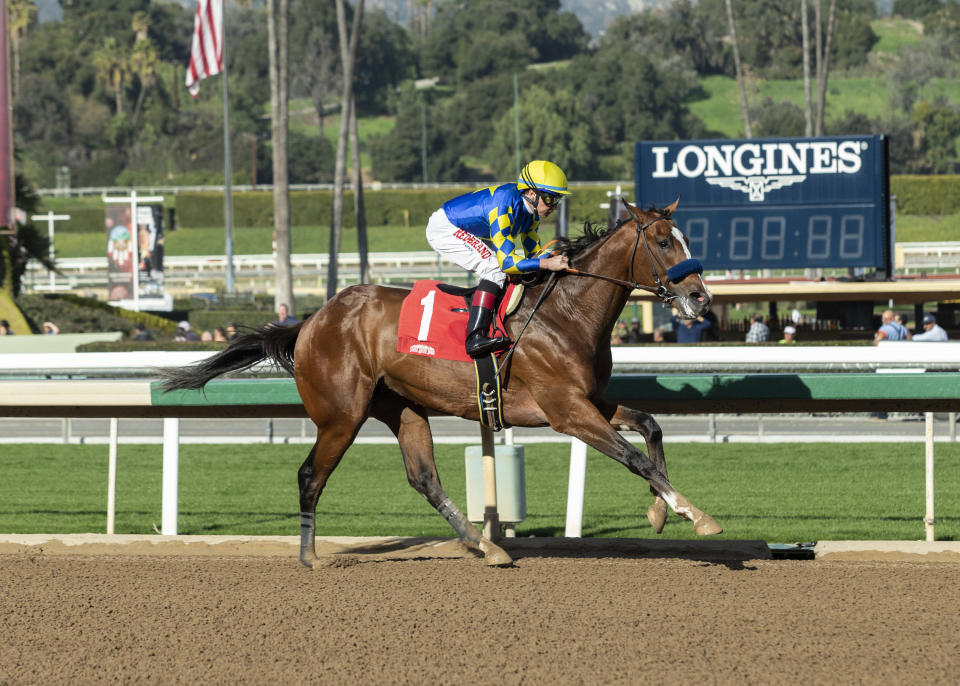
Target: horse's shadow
{"x":731,"y":553}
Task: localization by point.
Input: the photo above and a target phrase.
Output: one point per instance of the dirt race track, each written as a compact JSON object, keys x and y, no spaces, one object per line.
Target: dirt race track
{"x":589,"y":616}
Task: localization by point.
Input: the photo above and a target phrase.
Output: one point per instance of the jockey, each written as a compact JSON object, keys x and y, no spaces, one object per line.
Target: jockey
{"x":492,"y":232}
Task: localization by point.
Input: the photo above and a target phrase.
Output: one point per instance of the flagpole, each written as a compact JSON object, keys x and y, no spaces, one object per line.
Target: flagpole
{"x":227,"y":172}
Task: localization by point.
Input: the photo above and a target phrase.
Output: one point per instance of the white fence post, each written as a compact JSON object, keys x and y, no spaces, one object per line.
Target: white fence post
{"x":171,"y":475}
{"x":575,"y":486}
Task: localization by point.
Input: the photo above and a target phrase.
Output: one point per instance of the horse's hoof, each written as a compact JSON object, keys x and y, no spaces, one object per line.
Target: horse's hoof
{"x":495,"y":556}
{"x":308,"y":560}
{"x":657,"y":514}
{"x":705,"y":525}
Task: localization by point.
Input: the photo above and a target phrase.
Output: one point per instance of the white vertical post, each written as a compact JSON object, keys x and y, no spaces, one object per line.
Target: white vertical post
{"x":112,"y":475}
{"x":575,"y":486}
{"x":51,"y":218}
{"x":928,"y":520}
{"x":491,"y":516}
{"x":171,"y":473}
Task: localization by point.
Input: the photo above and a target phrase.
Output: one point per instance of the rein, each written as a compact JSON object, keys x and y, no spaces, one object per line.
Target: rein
{"x":660,"y":291}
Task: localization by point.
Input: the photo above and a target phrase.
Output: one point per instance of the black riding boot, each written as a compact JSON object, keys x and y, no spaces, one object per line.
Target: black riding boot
{"x":481,"y":314}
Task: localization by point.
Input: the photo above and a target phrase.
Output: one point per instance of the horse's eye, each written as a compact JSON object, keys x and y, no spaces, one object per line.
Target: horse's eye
{"x":664,"y":242}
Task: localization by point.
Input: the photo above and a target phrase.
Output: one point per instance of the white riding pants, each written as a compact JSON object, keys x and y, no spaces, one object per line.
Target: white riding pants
{"x":463,"y":248}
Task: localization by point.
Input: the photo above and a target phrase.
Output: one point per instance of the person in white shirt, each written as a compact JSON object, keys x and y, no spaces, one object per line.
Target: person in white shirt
{"x":931,"y":330}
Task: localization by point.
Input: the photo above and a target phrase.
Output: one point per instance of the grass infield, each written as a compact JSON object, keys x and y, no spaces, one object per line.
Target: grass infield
{"x":783,"y":493}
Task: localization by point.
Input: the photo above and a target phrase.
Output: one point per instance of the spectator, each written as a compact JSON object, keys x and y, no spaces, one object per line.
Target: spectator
{"x":789,"y":334}
{"x":689,"y":330}
{"x":759,"y":332}
{"x":890,"y":329}
{"x":184,"y":333}
{"x":623,"y":331}
{"x":658,"y":336}
{"x":796,"y":317}
{"x":5,"y":328}
{"x":206,"y":336}
{"x":284,"y":318}
{"x":219,"y":335}
{"x":635,"y":333}
{"x":232,"y":331}
{"x":50,"y":329}
{"x":931,"y":330}
{"x":140,"y":333}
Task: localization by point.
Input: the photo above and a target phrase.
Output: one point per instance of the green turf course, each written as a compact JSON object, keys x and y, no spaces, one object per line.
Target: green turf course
{"x":781,"y":493}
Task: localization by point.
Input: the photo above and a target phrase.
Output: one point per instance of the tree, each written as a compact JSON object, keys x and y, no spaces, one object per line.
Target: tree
{"x":316,"y":49}
{"x":21,"y":15}
{"x":777,"y":119}
{"x":823,"y":66}
{"x":470,"y":40}
{"x":918,"y":65}
{"x":17,"y":249}
{"x":277,"y":45}
{"x":348,"y":56}
{"x":552,"y":126}
{"x":807,"y":96}
{"x":143,"y":65}
{"x":396,"y":156}
{"x":939,"y":125}
{"x":113,"y":69}
{"x":740,"y":79}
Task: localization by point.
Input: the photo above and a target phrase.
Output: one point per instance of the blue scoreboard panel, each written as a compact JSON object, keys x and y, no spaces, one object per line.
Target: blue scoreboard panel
{"x":777,"y":203}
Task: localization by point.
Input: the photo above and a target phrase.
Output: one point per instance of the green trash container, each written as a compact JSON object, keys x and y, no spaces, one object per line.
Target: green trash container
{"x":511,"y":484}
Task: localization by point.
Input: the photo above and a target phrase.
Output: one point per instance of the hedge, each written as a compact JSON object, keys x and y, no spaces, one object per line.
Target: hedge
{"x":920,"y":195}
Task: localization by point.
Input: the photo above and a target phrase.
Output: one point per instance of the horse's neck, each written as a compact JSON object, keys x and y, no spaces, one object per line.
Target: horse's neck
{"x":601,"y":302}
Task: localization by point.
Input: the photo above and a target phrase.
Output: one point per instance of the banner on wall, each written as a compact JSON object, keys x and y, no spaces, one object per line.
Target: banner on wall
{"x":150,"y":253}
{"x":122,"y":252}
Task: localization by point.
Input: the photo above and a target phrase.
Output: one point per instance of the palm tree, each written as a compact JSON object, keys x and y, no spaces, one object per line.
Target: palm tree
{"x":112,"y":67}
{"x":143,"y":64}
{"x":21,"y":12}
{"x":348,"y":55}
{"x":823,"y":65}
{"x":277,"y":46}
{"x":807,"y":98}
{"x":740,"y":81}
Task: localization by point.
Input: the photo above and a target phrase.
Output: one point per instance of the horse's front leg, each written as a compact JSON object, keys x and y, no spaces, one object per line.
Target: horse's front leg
{"x":576,"y":416}
{"x":626,"y":419}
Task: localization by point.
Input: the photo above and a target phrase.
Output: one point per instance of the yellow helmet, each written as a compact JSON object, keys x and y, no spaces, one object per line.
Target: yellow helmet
{"x":545,"y":176}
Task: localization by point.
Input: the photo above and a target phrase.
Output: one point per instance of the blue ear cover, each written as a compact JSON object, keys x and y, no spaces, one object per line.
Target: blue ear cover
{"x":681,"y":270}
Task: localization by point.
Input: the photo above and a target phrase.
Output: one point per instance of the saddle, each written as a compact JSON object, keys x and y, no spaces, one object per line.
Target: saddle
{"x":433,"y":323}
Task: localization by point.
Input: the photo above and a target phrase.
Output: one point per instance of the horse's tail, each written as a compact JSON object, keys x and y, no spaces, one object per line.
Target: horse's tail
{"x":268,"y":342}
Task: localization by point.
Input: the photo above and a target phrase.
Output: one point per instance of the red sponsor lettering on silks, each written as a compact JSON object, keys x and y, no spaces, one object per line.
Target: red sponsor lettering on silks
{"x":473,"y":242}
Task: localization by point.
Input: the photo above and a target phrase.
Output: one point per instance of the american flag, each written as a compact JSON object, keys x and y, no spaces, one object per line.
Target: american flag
{"x":206,"y":55}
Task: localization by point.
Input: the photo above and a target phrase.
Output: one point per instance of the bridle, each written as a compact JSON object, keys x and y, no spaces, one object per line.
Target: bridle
{"x":673,"y":274}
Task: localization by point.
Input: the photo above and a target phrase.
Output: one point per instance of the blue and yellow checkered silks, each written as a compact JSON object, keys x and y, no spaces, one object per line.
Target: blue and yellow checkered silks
{"x":497,"y":215}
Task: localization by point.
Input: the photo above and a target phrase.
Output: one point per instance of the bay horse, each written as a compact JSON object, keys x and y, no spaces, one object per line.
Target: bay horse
{"x":347,"y":368}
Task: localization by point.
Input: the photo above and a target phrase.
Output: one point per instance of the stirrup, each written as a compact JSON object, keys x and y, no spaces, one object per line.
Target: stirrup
{"x":480,"y":345}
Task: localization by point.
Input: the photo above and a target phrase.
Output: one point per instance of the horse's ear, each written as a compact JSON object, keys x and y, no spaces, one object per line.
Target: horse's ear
{"x":672,"y":207}
{"x":631,"y":208}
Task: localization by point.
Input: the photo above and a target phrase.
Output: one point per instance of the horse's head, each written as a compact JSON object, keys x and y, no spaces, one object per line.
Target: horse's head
{"x":661,"y":258}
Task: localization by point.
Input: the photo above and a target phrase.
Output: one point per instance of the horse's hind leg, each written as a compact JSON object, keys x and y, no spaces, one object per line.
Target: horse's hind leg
{"x":332,"y":443}
{"x":626,"y":419}
{"x":408,"y":421}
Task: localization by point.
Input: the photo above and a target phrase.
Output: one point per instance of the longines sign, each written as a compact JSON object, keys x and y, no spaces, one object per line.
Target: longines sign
{"x":774,"y":203}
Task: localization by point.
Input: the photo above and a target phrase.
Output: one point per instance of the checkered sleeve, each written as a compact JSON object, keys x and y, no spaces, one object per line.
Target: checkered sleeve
{"x":509,"y":244}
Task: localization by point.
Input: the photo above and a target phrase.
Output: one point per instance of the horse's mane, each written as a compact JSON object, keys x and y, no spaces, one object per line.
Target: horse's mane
{"x":592,"y":234}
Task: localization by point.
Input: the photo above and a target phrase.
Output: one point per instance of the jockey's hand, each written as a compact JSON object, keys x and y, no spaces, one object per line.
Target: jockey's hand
{"x":554,"y":263}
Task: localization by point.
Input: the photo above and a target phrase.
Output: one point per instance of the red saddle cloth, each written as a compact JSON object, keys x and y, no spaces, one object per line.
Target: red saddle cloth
{"x":434,"y":324}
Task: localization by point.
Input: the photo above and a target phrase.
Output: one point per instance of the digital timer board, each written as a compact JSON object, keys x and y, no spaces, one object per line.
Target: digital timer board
{"x":777,"y":203}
